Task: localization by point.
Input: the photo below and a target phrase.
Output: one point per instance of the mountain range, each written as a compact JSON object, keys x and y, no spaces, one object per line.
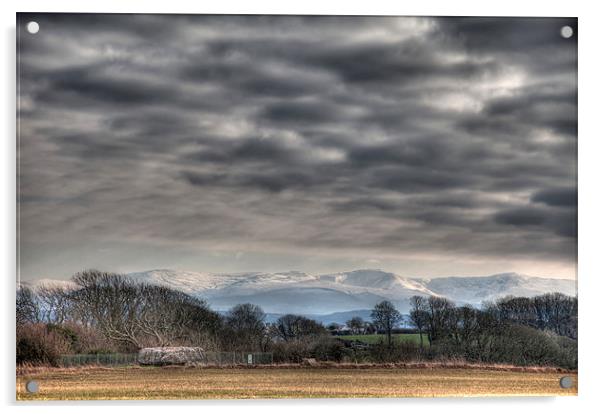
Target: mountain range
{"x":341,"y":295}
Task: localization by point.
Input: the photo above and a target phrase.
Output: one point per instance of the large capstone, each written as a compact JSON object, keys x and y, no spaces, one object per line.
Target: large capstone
{"x":176,"y":355}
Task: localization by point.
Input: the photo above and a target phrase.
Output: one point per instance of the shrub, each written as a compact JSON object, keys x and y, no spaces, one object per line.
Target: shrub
{"x":36,"y":344}
{"x":291,"y":351}
{"x":568,"y":351}
{"x":515,"y":344}
{"x":397,"y":352}
{"x":522,"y":345}
{"x":326,"y":348}
{"x":66,"y":332}
{"x":87,"y":340}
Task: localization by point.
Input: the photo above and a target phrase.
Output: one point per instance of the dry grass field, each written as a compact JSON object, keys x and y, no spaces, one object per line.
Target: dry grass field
{"x":224,"y":383}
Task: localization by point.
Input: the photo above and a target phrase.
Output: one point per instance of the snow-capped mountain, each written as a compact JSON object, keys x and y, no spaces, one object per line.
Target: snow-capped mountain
{"x":48,"y":283}
{"x":298,"y":292}
{"x":479,"y":289}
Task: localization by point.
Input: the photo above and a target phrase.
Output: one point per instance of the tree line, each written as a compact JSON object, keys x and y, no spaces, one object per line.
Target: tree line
{"x":439,"y":317}
{"x":540,"y":330}
{"x":105,"y":312}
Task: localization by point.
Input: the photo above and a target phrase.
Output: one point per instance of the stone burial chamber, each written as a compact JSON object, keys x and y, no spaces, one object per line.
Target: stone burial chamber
{"x":178,"y":355}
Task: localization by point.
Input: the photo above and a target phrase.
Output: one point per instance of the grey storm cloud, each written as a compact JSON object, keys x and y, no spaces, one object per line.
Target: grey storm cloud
{"x":564,"y":197}
{"x":185,"y":140}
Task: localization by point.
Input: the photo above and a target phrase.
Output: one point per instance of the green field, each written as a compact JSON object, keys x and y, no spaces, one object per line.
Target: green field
{"x":375,"y":338}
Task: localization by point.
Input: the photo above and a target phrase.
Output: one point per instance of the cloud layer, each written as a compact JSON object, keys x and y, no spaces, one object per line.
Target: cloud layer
{"x":228,"y":143}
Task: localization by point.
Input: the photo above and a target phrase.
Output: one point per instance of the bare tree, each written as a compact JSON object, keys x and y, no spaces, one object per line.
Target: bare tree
{"x":333,"y":327}
{"x":294,"y":327}
{"x":370,"y":328}
{"x":138,"y":314}
{"x":169,"y":317}
{"x":419,"y":315}
{"x":439,"y":311}
{"x":111,"y":303}
{"x":247,"y":326}
{"x":55,"y":303}
{"x":27,"y":306}
{"x":356,"y":324}
{"x":555,"y":312}
{"x":464,"y":325}
{"x":386,"y":317}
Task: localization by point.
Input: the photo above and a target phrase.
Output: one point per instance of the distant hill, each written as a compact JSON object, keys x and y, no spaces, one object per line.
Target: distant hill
{"x":338,"y":295}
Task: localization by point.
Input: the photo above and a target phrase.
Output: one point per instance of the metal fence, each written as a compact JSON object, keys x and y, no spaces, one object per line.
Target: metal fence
{"x":212,"y":358}
{"x":239,"y":358}
{"x":98,"y":359}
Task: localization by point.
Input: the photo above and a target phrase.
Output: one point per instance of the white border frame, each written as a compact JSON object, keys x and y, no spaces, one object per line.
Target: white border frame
{"x":590,"y":198}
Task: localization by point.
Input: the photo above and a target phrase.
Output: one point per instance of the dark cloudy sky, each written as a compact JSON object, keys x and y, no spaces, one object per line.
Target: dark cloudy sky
{"x":424,"y":146}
